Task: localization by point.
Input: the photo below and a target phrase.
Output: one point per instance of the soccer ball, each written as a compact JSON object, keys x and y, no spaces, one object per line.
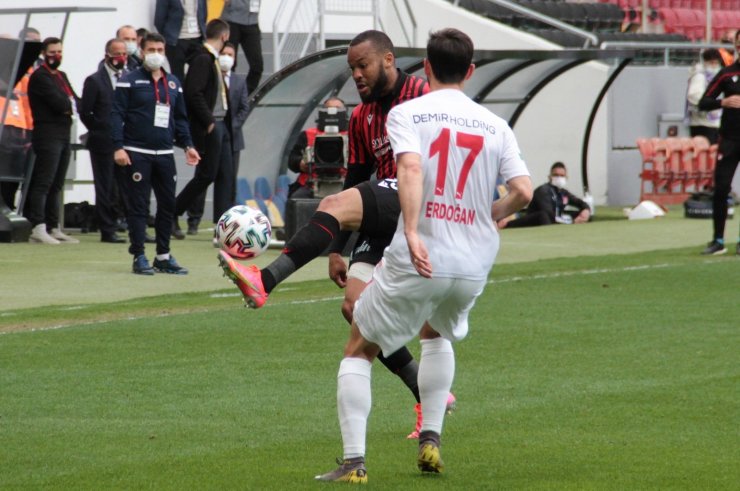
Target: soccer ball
{"x":243,"y":232}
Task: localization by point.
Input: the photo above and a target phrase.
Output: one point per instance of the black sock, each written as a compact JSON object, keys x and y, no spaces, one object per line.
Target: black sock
{"x":401,"y":363}
{"x":307,"y":244}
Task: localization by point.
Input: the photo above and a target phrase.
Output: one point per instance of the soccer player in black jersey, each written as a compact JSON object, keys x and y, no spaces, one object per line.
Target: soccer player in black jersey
{"x":369,"y":207}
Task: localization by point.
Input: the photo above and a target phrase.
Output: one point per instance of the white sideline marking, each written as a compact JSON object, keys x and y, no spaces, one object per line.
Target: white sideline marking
{"x":560,"y":274}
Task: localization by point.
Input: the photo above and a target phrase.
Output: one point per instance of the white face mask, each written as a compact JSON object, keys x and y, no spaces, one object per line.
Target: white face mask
{"x":153,"y":61}
{"x":558,"y":181}
{"x":226,"y":62}
{"x":711,"y":71}
{"x":131,"y":47}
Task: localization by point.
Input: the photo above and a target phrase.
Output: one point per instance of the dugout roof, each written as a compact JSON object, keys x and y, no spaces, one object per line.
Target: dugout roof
{"x":504,"y":81}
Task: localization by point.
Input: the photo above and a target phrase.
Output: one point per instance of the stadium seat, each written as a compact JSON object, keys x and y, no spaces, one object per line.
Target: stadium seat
{"x":703,"y":164}
{"x":281,"y":193}
{"x":244,"y":195}
{"x":264,"y":195}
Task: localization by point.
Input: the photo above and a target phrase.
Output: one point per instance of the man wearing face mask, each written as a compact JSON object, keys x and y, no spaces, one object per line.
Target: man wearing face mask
{"x":703,"y":123}
{"x":552,"y":203}
{"x":53,"y":105}
{"x":207,"y":99}
{"x":236,"y":84}
{"x":95,"y":109}
{"x":128,"y":35}
{"x":148,"y":117}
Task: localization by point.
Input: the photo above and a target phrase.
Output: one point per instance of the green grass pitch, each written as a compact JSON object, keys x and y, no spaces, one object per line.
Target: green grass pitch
{"x":597,"y":371}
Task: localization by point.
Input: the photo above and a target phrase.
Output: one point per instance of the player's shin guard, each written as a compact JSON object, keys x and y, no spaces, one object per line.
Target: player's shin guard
{"x":436,"y":372}
{"x":353,"y":404}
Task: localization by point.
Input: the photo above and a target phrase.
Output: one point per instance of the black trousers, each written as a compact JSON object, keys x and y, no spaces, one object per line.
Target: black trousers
{"x":724,"y":171}
{"x":531,"y":219}
{"x":215,"y":167}
{"x":711,"y":134}
{"x":147,"y":173}
{"x":44,"y":195}
{"x":197,"y":209}
{"x":180,"y":53}
{"x":250,"y":38}
{"x":103,"y":168}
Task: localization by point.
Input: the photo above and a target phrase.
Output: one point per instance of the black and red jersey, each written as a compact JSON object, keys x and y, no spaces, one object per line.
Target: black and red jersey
{"x":369,"y":146}
{"x":726,"y":83}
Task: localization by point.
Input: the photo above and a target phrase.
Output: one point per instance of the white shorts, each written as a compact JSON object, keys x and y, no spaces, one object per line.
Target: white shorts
{"x":394,"y":306}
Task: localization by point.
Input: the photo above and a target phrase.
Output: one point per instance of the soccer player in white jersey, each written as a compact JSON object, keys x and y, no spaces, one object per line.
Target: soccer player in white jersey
{"x":450,"y":152}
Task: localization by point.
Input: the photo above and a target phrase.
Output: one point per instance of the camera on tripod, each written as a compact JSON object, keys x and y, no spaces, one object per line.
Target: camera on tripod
{"x":327,"y":158}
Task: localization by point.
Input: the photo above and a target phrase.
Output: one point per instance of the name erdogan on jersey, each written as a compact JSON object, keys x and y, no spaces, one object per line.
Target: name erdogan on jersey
{"x":450,"y":213}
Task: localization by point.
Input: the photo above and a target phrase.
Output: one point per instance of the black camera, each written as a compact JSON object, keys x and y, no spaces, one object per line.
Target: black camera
{"x":328,"y":157}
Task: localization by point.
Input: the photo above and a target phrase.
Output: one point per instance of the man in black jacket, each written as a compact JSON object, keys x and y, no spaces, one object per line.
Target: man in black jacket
{"x":97,"y":103}
{"x":239,"y":109}
{"x":726,"y":84}
{"x":552,"y":203}
{"x":53,"y":105}
{"x":207,"y":100}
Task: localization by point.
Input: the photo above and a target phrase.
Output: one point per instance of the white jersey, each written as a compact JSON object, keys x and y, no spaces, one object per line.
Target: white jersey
{"x":464,"y":148}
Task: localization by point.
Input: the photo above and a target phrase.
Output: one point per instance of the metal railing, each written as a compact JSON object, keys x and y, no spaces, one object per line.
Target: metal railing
{"x":589,"y":38}
{"x":300,"y":23}
{"x":666,"y":47}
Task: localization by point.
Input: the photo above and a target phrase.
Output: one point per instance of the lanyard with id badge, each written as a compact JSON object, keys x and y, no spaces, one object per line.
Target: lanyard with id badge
{"x":161,"y":109}
{"x":254,"y":6}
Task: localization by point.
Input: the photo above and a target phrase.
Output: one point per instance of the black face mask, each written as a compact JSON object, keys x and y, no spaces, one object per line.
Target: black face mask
{"x":53,"y":61}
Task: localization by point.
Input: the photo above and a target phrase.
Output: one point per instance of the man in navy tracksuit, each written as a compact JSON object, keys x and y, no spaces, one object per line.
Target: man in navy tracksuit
{"x":148,"y":117}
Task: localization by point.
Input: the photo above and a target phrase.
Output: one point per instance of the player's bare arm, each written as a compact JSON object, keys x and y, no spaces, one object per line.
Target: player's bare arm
{"x":410,"y":189}
{"x":519,"y":196}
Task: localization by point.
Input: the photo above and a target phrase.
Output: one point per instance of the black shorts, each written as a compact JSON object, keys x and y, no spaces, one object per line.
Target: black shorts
{"x":380,"y":210}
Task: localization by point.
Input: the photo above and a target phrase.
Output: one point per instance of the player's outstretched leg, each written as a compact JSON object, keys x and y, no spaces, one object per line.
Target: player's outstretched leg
{"x":307,"y":244}
{"x":429,"y":459}
{"x":350,"y":470}
{"x":451,"y":406}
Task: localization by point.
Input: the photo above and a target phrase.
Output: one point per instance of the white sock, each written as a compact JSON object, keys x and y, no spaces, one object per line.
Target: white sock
{"x":163,"y":257}
{"x":436,"y":371}
{"x":353,"y":404}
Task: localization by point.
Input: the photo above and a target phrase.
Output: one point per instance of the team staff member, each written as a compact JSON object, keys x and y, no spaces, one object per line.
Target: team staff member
{"x":53,"y":105}
{"x":726,"y":82}
{"x":148,"y":117}
{"x":207,"y":100}
{"x":236,"y":84}
{"x":371,"y":207}
{"x":97,"y":101}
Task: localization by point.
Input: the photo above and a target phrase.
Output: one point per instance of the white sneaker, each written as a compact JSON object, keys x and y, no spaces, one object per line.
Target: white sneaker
{"x":62,"y":237}
{"x":40,"y":235}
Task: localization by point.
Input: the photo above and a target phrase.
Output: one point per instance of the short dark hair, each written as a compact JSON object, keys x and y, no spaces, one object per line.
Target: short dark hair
{"x":141,"y":32}
{"x":110,"y":42}
{"x":227,"y":44}
{"x":450,"y":53}
{"x":215,"y":28}
{"x":380,"y":40}
{"x":50,"y":40}
{"x":151,"y":37}
{"x":712,"y":54}
{"x":557,"y":165}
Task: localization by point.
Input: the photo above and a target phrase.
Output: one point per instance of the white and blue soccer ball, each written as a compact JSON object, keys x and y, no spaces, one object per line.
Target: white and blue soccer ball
{"x":243,"y":232}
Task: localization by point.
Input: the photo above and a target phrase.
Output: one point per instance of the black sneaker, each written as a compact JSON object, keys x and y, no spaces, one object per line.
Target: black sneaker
{"x":429,"y":459}
{"x":142,"y":266}
{"x":169,"y":266}
{"x":177,"y":231}
{"x":714,"y":249}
